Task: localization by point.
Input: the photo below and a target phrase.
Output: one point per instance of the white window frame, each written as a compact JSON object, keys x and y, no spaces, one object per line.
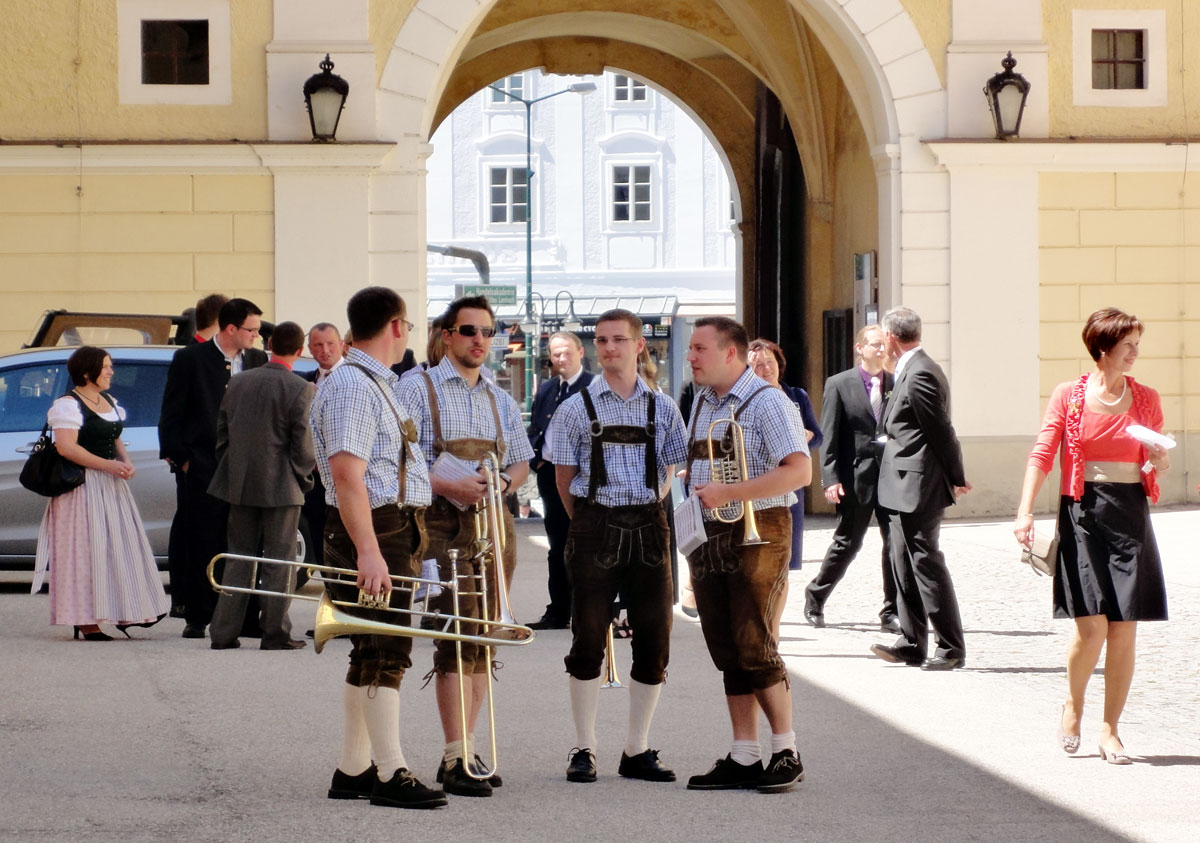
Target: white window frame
{"x":656,"y":205}
{"x":486,"y":196}
{"x":1152,"y":22}
{"x":131,"y":13}
{"x":508,"y":103}
{"x":629,"y":103}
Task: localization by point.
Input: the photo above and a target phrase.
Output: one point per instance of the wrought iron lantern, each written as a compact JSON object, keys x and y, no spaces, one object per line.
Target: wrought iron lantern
{"x":324,"y":96}
{"x":1006,"y":93}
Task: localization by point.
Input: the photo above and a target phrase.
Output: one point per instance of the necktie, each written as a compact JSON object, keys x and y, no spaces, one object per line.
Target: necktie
{"x":876,"y":397}
{"x":563,"y":386}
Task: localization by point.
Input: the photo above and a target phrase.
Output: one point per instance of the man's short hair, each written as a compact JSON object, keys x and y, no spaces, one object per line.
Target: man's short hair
{"x":450,"y":317}
{"x":235,"y":311}
{"x":1107,"y":327}
{"x":728,"y":331}
{"x":324,"y":326}
{"x":208,"y":309}
{"x":861,"y":337}
{"x":371,"y":309}
{"x":571,"y":336}
{"x":903,"y":323}
{"x":287,"y":339}
{"x":620,"y":314}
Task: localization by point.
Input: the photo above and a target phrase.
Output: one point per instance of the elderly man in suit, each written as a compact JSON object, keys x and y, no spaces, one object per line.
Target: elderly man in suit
{"x":566,"y":356}
{"x":266,"y":458}
{"x":187,"y":437}
{"x":921,"y":474}
{"x":851,"y":409}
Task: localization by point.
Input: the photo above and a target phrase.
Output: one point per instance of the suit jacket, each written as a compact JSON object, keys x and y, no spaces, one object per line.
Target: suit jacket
{"x":264,"y":443}
{"x":852,"y":455}
{"x":196,"y":381}
{"x":922,"y":460}
{"x":544,"y":405}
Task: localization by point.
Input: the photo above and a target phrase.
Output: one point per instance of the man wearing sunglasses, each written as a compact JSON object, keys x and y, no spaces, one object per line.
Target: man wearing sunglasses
{"x":613,"y":446}
{"x":465,"y":415}
{"x":187,"y":437}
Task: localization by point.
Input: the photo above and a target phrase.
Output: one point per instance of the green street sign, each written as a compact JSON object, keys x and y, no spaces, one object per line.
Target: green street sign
{"x":498,"y":295}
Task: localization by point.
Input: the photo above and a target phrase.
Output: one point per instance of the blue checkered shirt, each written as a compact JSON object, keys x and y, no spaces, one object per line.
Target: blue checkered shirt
{"x":465,"y":412}
{"x":772,"y":424}
{"x":571,"y":442}
{"x":350,"y":415}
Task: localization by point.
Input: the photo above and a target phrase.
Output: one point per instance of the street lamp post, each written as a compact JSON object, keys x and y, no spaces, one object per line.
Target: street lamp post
{"x":576,"y":88}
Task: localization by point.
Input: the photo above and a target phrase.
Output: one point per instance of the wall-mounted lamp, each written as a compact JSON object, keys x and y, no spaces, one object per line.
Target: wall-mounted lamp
{"x":324,"y":96}
{"x":1006,"y":93}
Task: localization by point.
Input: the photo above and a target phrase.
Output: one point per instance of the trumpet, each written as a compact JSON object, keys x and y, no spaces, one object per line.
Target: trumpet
{"x":731,"y":467}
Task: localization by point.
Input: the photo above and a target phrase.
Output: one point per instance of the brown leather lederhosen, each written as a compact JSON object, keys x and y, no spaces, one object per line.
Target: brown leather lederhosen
{"x":620,"y":434}
{"x":742,"y":634}
{"x":449,"y":527}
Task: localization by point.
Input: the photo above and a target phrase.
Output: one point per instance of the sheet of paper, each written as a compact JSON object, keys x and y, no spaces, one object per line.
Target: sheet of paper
{"x":1147,"y":436}
{"x":450,"y":468}
{"x":689,"y":525}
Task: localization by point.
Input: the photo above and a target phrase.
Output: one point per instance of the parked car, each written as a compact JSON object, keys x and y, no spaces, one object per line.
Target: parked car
{"x":30,"y":381}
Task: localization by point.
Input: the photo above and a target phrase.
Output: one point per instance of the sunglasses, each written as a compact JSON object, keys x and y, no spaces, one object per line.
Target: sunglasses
{"x":472,"y":330}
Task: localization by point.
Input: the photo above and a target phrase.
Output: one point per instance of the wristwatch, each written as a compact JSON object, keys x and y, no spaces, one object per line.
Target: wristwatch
{"x":507,"y":481}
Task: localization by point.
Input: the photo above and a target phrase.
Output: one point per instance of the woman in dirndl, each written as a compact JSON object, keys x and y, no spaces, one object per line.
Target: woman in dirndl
{"x":92,"y":540}
{"x":1108,"y":575}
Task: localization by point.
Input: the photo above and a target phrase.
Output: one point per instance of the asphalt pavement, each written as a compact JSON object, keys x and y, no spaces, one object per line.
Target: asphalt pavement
{"x":163,"y":738}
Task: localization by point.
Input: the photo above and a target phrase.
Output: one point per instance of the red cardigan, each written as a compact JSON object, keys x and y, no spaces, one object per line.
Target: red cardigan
{"x":1086,"y":436}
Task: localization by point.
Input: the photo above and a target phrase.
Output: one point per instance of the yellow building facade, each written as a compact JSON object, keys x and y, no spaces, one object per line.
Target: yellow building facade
{"x":120,"y":194}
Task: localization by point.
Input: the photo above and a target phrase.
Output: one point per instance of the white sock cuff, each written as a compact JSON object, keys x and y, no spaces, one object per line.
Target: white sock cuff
{"x":745,"y":752}
{"x":785,"y":741}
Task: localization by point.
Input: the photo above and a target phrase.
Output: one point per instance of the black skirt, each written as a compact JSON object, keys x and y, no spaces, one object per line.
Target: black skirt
{"x":1108,"y":561}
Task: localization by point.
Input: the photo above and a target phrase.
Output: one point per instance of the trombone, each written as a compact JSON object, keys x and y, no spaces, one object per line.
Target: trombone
{"x":731,"y":467}
{"x":611,"y":679}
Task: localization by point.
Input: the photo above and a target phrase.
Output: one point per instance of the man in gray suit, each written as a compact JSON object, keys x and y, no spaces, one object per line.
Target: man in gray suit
{"x":921,"y":474}
{"x":265,"y":461}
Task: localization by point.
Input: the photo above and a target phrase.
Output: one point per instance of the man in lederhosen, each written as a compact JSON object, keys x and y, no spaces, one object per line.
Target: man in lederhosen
{"x":741,"y":588}
{"x":376,"y":488}
{"x":465,"y":415}
{"x":613,"y":446}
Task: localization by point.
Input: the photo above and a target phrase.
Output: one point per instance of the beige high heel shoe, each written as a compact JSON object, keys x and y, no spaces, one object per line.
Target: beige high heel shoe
{"x":1069,"y":743}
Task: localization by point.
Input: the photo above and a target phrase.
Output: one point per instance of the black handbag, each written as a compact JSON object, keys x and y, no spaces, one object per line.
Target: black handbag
{"x":46,"y":472}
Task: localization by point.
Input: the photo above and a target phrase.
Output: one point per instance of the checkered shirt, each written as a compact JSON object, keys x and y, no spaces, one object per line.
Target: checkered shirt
{"x":571,"y":442}
{"x":465,"y":412}
{"x":349,"y":415}
{"x":772,"y":424}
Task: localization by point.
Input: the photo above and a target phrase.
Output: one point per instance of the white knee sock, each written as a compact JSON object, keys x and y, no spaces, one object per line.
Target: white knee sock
{"x":746,"y":752}
{"x":785,"y":741}
{"x":452,"y":752}
{"x":381,"y":711}
{"x":643,"y":699}
{"x":356,"y":743}
{"x":585,"y":694}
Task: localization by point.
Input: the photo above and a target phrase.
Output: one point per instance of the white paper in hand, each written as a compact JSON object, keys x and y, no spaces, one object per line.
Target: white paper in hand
{"x":1147,"y":436}
{"x":689,"y":525}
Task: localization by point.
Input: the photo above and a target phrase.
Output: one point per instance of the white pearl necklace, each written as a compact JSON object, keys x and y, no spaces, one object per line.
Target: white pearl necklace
{"x":1120,"y":398}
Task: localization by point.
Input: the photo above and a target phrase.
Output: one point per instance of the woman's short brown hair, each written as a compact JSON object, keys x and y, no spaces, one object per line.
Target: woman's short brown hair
{"x":761,"y":344}
{"x":86,"y":363}
{"x":1107,"y":327}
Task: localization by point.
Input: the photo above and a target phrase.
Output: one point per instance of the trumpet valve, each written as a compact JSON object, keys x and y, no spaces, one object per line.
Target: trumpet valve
{"x":372,"y":601}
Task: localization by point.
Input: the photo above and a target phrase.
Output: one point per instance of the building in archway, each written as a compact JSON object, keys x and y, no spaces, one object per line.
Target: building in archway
{"x":851,"y":128}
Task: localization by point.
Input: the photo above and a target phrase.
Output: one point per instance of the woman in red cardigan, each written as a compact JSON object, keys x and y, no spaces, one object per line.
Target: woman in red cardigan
{"x":1108,"y":575}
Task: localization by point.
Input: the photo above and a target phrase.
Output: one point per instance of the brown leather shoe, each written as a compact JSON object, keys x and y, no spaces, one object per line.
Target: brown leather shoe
{"x":289,"y":644}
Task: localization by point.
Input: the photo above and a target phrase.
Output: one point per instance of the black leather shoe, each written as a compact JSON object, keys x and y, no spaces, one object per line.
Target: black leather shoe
{"x":193,"y":630}
{"x":783,"y":771}
{"x":229,"y":645}
{"x":728,"y":774}
{"x":890,"y":623}
{"x":404,"y":791}
{"x":477,"y":768}
{"x":645,"y":766}
{"x":943,"y":663}
{"x":814,"y":618}
{"x":289,"y":644}
{"x":582,"y":767}
{"x":345,"y":786}
{"x":549,"y":621}
{"x":896,"y":655}
{"x":456,"y":781}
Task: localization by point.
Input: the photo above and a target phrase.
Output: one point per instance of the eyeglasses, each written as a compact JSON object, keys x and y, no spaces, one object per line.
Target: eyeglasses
{"x":472,"y":330}
{"x":878,"y":346}
{"x":408,"y":325}
{"x":251,"y":331}
{"x":603,"y":341}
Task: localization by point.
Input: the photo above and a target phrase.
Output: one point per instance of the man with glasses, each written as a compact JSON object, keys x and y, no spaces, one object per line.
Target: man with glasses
{"x":187,"y":436}
{"x":462,"y":416}
{"x":613,"y":446}
{"x":853,"y":404}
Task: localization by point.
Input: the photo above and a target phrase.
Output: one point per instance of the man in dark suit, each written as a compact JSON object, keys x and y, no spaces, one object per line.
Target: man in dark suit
{"x":851,"y":409}
{"x":921,"y":474}
{"x":325,"y":346}
{"x":566,"y":356}
{"x":187,"y":437}
{"x":265,"y":461}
